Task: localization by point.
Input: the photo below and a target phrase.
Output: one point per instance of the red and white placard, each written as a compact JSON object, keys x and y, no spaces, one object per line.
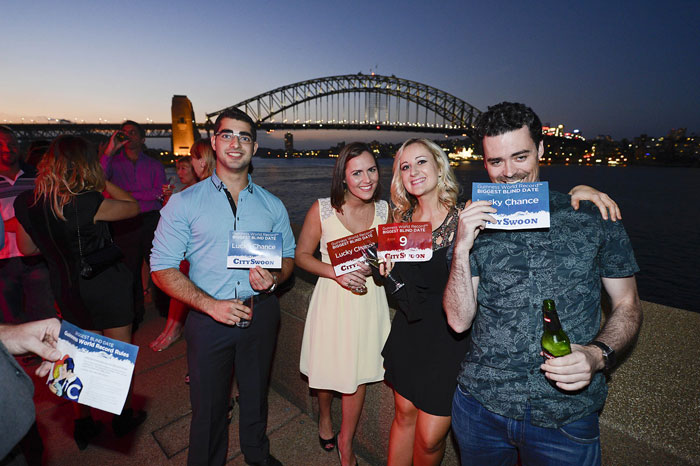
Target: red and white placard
{"x":346,"y":253}
{"x":406,"y":242}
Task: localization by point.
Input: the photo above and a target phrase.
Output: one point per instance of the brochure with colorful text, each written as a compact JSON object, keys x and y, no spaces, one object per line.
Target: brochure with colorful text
{"x":94,"y":370}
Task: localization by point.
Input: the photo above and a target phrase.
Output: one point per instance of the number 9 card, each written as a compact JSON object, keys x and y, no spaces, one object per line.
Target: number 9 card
{"x":406,"y":242}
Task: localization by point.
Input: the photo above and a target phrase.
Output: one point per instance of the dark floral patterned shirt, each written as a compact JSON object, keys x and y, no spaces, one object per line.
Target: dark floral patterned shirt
{"x":519,"y":269}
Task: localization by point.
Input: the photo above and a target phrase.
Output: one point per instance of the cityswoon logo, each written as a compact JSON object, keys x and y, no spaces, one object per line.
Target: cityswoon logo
{"x":64,"y":382}
{"x":73,"y":389}
{"x":518,"y":221}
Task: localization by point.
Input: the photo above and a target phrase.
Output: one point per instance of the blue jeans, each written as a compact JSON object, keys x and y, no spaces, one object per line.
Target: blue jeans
{"x":487,"y":438}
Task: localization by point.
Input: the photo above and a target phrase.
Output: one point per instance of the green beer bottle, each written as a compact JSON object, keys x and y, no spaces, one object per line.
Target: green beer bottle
{"x":555,"y":342}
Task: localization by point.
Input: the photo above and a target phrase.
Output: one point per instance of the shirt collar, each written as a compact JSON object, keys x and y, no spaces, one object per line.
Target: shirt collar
{"x":19,"y":173}
{"x":122,"y":152}
{"x":219,"y":185}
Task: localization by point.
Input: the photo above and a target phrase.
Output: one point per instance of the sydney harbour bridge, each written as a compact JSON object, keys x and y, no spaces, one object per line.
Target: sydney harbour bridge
{"x":357,"y":101}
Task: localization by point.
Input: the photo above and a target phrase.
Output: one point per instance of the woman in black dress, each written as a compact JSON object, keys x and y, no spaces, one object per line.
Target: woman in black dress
{"x":64,"y":218}
{"x":422,"y":354}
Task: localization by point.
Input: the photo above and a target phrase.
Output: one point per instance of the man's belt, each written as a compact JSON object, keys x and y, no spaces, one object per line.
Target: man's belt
{"x":258,"y":298}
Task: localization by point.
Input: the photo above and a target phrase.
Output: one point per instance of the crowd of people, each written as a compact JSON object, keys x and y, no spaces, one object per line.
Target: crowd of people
{"x":461,"y":353}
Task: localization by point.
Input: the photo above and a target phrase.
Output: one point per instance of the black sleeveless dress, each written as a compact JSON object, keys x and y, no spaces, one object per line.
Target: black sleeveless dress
{"x":104,"y":301}
{"x":423,"y":354}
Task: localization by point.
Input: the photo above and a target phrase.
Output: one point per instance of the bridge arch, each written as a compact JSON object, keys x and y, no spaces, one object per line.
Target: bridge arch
{"x":359,"y":101}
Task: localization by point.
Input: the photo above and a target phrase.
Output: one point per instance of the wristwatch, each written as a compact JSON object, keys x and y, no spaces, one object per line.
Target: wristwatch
{"x":608,"y":354}
{"x":274,"y":284}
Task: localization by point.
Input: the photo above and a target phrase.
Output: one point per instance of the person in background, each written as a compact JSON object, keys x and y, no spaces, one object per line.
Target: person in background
{"x":126,"y":164}
{"x":177,"y":311}
{"x":37,"y":150}
{"x":197,"y":224}
{"x":186,"y":174}
{"x":345,"y":327}
{"x":16,"y":404}
{"x":203,"y":159}
{"x":498,"y":281}
{"x":25,"y":293}
{"x":65,"y":218}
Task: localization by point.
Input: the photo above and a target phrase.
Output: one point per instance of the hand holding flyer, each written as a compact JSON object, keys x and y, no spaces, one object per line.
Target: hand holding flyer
{"x":95,"y":370}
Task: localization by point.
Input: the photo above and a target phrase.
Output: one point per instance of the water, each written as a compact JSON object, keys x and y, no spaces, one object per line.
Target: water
{"x":660,"y":210}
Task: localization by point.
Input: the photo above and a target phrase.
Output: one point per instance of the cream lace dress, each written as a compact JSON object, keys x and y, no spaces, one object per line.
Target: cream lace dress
{"x":344,"y":332}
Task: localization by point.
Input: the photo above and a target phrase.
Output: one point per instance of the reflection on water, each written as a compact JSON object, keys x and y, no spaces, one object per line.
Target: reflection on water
{"x":660,"y":210}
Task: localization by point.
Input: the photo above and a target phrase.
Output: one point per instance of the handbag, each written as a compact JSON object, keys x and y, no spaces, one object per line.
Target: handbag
{"x":98,"y":261}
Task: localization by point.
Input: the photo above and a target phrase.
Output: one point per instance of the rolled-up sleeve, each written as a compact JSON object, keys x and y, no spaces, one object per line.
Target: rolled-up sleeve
{"x":171,"y":236}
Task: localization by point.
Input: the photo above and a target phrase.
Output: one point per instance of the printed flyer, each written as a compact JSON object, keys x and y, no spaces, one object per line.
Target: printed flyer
{"x":406,"y":242}
{"x":94,"y":371}
{"x":520,"y":206}
{"x":346,"y":253}
{"x":247,"y":249}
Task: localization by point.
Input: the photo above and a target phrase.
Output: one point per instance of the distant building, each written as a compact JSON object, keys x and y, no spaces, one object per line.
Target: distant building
{"x":184,"y":130}
{"x":558,"y":131}
{"x":289,"y":143}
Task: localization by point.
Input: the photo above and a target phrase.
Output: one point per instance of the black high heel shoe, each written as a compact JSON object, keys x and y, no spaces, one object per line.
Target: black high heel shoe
{"x":127,"y":421}
{"x":328,"y":445}
{"x":85,"y":430}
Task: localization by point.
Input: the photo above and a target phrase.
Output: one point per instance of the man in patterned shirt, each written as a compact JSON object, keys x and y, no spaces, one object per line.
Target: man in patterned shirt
{"x":504,"y":405}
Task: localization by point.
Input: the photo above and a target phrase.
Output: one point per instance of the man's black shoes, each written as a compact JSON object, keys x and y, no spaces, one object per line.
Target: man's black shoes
{"x":270,"y":461}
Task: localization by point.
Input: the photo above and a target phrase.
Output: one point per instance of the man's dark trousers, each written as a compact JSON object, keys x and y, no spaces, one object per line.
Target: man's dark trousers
{"x":213,"y":349}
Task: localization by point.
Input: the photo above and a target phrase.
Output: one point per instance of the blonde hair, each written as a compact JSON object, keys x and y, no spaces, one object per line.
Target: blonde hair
{"x":202,"y":149}
{"x":448,"y":188}
{"x":69,"y":167}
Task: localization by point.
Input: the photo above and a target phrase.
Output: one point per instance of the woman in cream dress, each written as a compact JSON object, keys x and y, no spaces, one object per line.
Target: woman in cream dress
{"x":348,"y":318}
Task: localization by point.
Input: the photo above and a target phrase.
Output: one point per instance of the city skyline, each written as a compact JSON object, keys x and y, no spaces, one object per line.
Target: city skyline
{"x":601,"y":68}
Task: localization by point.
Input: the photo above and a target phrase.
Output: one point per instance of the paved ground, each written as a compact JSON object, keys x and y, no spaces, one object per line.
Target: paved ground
{"x":163,"y":438}
{"x":651,"y":417}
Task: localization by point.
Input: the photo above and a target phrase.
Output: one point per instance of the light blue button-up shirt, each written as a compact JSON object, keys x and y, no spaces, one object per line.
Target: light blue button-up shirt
{"x":196,"y":224}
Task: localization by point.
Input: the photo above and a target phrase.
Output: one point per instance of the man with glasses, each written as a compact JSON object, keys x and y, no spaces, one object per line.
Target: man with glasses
{"x":197,"y":224}
{"x":126,"y":165}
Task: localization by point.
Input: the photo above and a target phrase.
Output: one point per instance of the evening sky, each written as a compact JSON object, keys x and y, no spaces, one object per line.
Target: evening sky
{"x":618,"y":68}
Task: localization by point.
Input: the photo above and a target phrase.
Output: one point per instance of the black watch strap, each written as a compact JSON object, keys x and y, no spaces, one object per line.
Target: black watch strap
{"x":608,"y":354}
